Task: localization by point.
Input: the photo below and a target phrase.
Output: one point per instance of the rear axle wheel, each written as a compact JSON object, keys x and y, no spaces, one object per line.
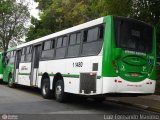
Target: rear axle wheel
{"x":60,"y":95}
{"x":45,"y":89}
{"x":10,"y":82}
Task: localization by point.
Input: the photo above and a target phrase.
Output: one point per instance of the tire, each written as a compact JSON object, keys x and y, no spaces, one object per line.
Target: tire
{"x":1,"y":81}
{"x":60,"y":95}
{"x":45,"y":89}
{"x":10,"y":82}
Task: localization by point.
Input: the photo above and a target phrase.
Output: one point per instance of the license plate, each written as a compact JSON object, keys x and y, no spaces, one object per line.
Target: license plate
{"x":134,"y":74}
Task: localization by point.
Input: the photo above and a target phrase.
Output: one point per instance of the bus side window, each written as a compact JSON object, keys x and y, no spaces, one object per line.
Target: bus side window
{"x":74,"y":45}
{"x":92,"y":45}
{"x":61,"y":47}
{"x":23,"y":55}
{"x":8,"y":54}
{"x":59,"y":42}
{"x":28,"y":50}
{"x":64,"y":41}
{"x":72,"y":39}
{"x":7,"y":57}
{"x":53,"y":44}
{"x":28,"y":55}
{"x":48,"y":50}
{"x":78,"y":38}
{"x":12,"y":57}
{"x":85,"y":34}
{"x":47,"y":45}
{"x":101,"y":32}
{"x":92,"y":34}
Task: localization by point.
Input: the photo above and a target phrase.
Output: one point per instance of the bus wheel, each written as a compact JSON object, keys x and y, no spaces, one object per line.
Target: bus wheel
{"x":10,"y":82}
{"x":60,"y":95}
{"x":45,"y":89}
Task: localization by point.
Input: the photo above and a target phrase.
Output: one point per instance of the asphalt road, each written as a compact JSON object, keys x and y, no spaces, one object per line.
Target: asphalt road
{"x":26,"y":103}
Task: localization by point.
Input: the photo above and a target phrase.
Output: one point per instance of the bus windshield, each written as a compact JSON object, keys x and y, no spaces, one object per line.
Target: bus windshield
{"x":133,"y":35}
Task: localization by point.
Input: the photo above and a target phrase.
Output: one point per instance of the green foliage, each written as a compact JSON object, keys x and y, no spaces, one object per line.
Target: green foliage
{"x":44,"y":4}
{"x":111,"y":7}
{"x":148,"y":11}
{"x":60,"y":14}
{"x":13,"y":15}
{"x":38,"y":29}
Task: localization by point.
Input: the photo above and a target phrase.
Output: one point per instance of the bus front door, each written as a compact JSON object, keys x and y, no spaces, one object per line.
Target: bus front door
{"x":35,"y":64}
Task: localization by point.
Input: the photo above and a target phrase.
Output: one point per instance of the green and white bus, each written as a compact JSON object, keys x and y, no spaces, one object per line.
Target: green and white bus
{"x":7,"y":65}
{"x":109,"y":55}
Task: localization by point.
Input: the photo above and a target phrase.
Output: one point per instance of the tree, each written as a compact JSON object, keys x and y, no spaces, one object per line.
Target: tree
{"x":148,"y":11}
{"x":44,"y":4}
{"x":101,"y":8}
{"x":61,"y":14}
{"x":37,"y":29}
{"x":13,"y":17}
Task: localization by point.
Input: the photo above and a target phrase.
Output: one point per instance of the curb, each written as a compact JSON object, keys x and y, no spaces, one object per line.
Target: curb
{"x":154,"y":109}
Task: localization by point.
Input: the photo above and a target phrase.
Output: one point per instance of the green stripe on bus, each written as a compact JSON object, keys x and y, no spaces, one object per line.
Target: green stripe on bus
{"x":69,"y":75}
{"x":23,"y":73}
{"x":64,"y":75}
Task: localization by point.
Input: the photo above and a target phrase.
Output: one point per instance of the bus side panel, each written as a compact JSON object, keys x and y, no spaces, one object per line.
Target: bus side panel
{"x":82,"y":65}
{"x":24,"y":74}
{"x":70,"y":70}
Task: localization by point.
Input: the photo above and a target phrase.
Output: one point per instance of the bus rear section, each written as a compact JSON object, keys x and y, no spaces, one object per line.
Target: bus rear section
{"x":129,"y":57}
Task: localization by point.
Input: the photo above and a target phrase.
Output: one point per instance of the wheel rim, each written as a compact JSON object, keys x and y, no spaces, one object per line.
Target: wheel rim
{"x":10,"y":81}
{"x":58,"y":91}
{"x":45,"y":88}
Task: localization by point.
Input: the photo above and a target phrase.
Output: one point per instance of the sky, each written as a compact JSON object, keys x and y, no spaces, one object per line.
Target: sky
{"x":32,"y":8}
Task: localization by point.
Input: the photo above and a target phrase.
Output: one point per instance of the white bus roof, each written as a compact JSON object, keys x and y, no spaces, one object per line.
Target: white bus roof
{"x":63,"y":32}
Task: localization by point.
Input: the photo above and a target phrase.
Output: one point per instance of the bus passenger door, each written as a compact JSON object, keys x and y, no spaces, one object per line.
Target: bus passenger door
{"x":16,"y":65}
{"x":35,"y":64}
